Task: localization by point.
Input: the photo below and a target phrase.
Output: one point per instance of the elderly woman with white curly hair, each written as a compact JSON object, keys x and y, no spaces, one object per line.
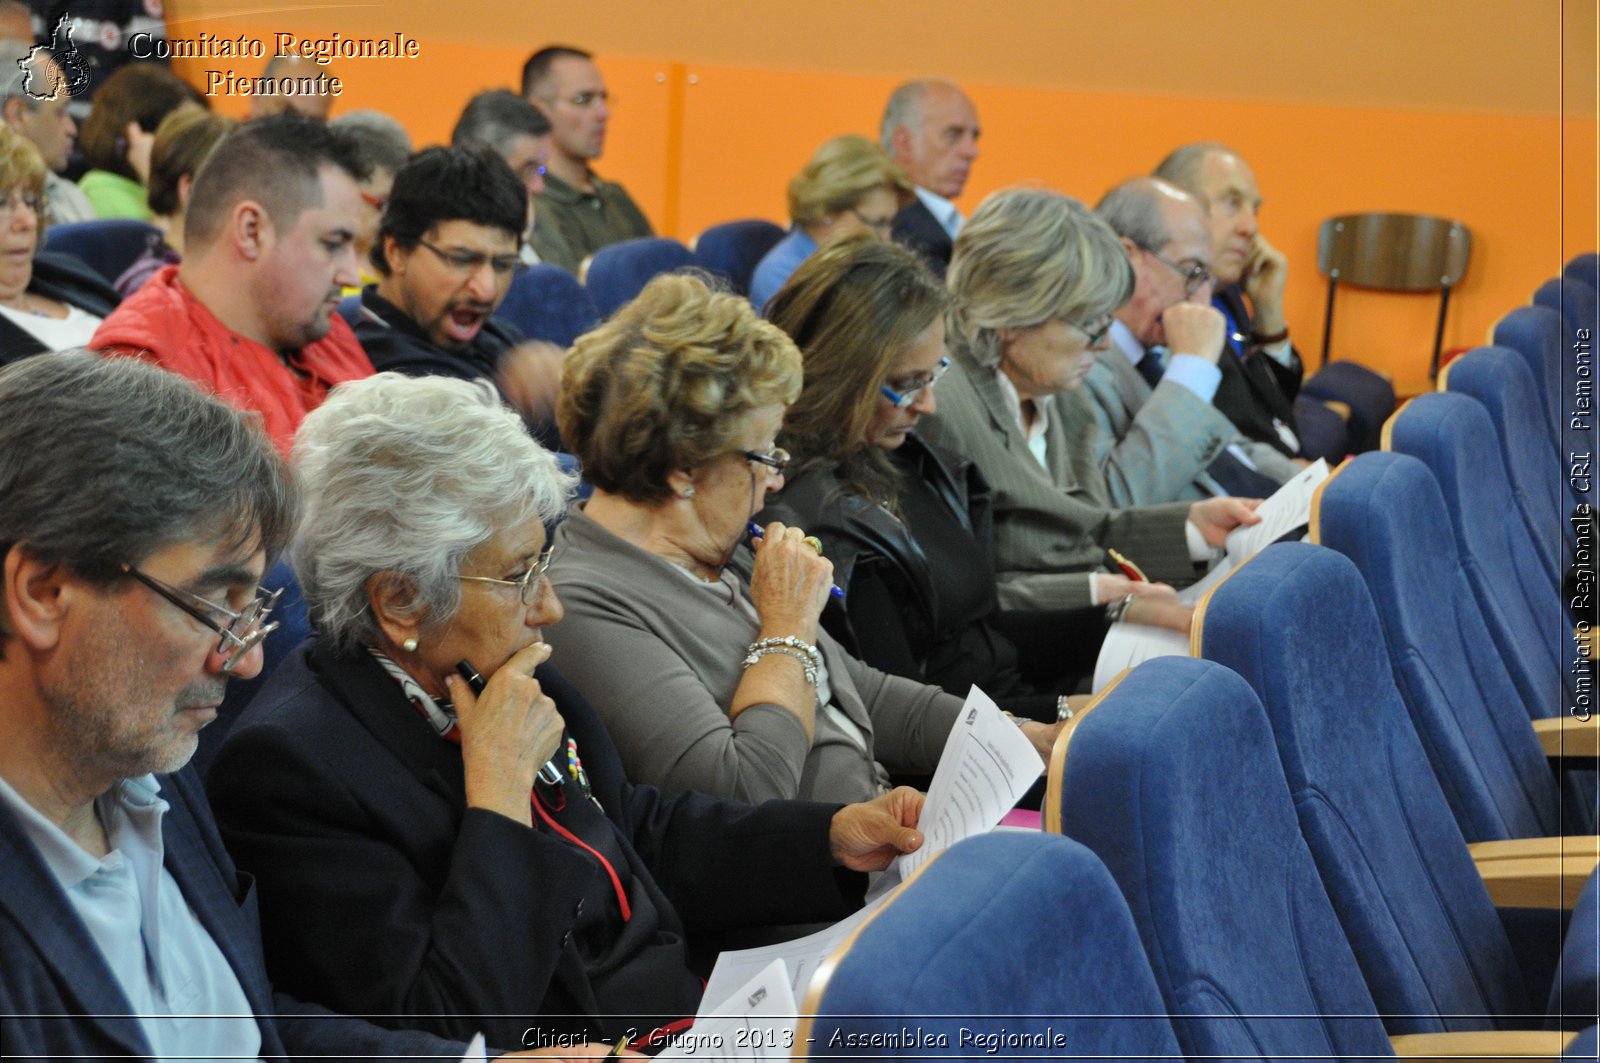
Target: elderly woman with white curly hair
{"x":453,"y":854}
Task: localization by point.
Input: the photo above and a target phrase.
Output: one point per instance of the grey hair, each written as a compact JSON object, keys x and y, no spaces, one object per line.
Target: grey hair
{"x":903,"y":109}
{"x":382,"y":140}
{"x":1182,"y":167}
{"x":1133,"y":210}
{"x":103,"y":461}
{"x":401,"y":478}
{"x":1028,"y":255}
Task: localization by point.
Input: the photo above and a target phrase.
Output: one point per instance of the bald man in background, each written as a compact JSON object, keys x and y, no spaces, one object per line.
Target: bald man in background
{"x":930,"y":129}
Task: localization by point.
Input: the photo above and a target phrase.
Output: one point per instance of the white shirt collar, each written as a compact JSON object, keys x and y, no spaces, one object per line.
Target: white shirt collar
{"x":1126,"y":341}
{"x":943,"y":211}
{"x":1033,"y":436}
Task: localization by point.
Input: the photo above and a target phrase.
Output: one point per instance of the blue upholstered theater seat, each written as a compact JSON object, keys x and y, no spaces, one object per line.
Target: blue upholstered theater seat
{"x":1396,"y":867}
{"x":1385,"y":513}
{"x":1575,"y":996}
{"x":1172,"y":779}
{"x":1455,"y":438}
{"x":1500,"y":380}
{"x":1369,"y":395}
{"x":1585,"y":267}
{"x":733,"y":249}
{"x":547,"y":303}
{"x":619,"y":272}
{"x":1534,"y":332}
{"x":108,"y":245}
{"x":1021,"y":940}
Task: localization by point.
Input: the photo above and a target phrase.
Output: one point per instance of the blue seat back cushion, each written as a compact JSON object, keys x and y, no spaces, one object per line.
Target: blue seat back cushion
{"x":1005,"y":934}
{"x":1174,"y":781}
{"x":1385,"y":513}
{"x":1384,"y":840}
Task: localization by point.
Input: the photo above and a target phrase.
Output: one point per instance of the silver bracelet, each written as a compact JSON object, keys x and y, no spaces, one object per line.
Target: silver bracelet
{"x":1063,"y":708}
{"x":1119,"y":608}
{"x":758,"y":652}
{"x":792,"y":643}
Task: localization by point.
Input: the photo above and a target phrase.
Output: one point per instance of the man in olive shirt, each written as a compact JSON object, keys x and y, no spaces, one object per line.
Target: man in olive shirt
{"x":577,"y":213}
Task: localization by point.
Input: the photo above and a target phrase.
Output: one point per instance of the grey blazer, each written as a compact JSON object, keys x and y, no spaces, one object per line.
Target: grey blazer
{"x":1051,"y":526}
{"x":1150,"y":444}
{"x":659,"y":659}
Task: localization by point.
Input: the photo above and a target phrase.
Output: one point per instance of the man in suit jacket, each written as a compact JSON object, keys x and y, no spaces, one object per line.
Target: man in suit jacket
{"x":1261,"y":380}
{"x":129,"y":600}
{"x":930,"y":129}
{"x":1159,"y":438}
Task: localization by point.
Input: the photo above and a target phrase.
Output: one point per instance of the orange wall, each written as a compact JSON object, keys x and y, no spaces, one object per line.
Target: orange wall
{"x":1477,"y":109}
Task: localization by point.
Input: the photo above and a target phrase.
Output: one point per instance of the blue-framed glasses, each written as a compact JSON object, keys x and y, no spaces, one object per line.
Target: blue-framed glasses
{"x":908,"y":394}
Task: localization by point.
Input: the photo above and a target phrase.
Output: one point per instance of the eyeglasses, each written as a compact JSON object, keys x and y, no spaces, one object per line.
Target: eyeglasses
{"x":1194,"y":275}
{"x":239,"y":632}
{"x":882,"y":226}
{"x":529,"y":584}
{"x":465,"y":262}
{"x":590,"y":99}
{"x":377,"y":203}
{"x":1093,"y":335}
{"x":776,"y":459}
{"x":11,"y":200}
{"x":906,"y":396}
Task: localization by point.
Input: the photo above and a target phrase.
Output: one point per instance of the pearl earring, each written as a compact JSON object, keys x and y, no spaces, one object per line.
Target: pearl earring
{"x":688,"y":492}
{"x":409,"y":645}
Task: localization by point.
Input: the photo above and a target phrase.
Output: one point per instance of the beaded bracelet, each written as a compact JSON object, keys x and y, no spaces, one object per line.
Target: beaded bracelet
{"x":794,"y":644}
{"x":756,"y":653}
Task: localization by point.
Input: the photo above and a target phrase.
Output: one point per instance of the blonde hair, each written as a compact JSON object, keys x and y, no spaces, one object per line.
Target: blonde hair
{"x":842,"y":171}
{"x":20,"y":163}
{"x":667,"y":384}
{"x":1028,"y":255}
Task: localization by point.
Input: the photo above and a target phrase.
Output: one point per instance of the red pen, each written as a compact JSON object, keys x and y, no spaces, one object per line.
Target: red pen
{"x":1129,"y":569}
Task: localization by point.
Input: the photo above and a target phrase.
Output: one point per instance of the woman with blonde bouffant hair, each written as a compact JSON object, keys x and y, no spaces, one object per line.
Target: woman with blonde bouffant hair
{"x":696,"y":638}
{"x":849,"y":186}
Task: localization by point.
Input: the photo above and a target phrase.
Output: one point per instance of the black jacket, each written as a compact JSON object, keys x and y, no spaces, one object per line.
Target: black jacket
{"x":383,"y":894}
{"x":63,"y":277}
{"x":1255,"y":389}
{"x":916,"y":227}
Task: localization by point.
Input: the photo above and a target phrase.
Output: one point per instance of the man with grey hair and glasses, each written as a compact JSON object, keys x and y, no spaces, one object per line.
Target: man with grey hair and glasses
{"x":1158,"y":437}
{"x":137,"y":516}
{"x":930,"y":129}
{"x":25,"y":75}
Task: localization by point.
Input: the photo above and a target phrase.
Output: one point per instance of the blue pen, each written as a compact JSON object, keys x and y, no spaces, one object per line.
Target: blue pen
{"x":756,"y":533}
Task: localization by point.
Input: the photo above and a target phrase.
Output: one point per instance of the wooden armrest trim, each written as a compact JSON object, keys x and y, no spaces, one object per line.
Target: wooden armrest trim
{"x":1526,"y":848}
{"x":1537,"y":882}
{"x":1568,"y":736}
{"x":1478,"y":1044}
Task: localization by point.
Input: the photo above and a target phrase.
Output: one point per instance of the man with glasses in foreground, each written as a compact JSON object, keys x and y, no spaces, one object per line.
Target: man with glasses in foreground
{"x":269,"y":245}
{"x":1159,"y":438}
{"x":446,"y":253}
{"x":578,"y":213}
{"x":136,"y":516}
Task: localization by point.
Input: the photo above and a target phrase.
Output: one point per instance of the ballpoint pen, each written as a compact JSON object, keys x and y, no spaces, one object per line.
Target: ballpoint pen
{"x":756,"y":533}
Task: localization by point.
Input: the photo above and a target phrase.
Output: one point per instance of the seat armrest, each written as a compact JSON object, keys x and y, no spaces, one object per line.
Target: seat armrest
{"x":1480,"y":1044}
{"x":1538,"y":881}
{"x":1524,"y":848}
{"x":1568,"y":736}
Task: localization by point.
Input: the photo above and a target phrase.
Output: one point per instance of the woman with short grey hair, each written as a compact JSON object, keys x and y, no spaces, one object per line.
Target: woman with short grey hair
{"x":408,"y":488}
{"x":439,"y":834}
{"x":1035,"y":279}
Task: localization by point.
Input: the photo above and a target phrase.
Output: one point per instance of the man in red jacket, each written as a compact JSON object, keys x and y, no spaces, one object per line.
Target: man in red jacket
{"x":268,"y":245}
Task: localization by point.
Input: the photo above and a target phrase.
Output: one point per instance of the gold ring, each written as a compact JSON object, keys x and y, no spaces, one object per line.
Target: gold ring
{"x":813,"y":542}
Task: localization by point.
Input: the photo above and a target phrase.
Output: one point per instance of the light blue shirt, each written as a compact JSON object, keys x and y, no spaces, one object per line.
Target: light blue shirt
{"x":1189,"y":370}
{"x":776,"y":266}
{"x":179,"y":985}
{"x":944,"y":212}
